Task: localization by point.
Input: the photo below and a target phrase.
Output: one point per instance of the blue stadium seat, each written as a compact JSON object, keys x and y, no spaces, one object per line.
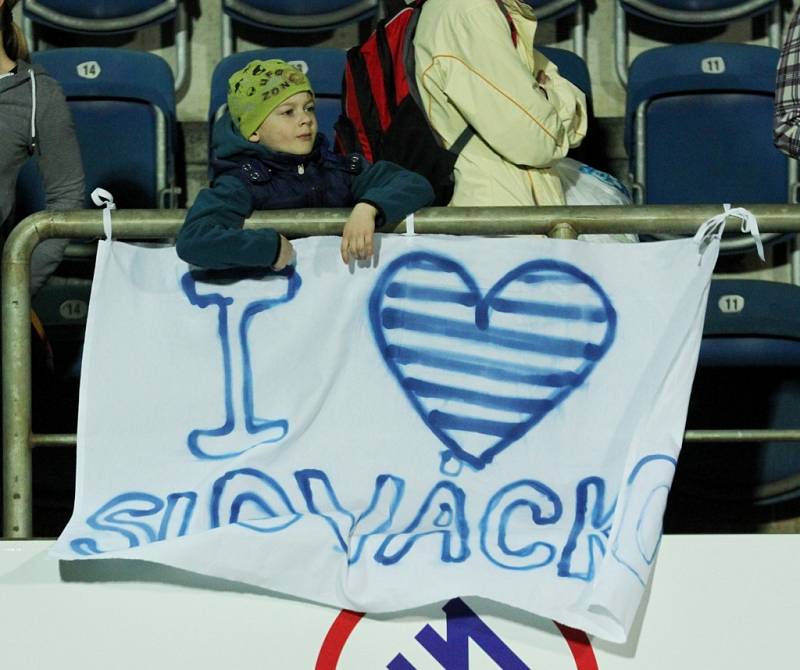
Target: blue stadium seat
{"x":123,"y":106}
{"x":699,"y":126}
{"x":689,"y":14}
{"x":571,"y":66}
{"x":324,"y":67}
{"x":547,"y":10}
{"x":552,"y":10}
{"x":748,"y":377}
{"x":292,"y":16}
{"x":103,"y":17}
{"x":697,"y":12}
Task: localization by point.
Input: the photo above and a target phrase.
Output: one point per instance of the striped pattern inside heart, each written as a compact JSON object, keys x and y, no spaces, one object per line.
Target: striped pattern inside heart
{"x":482,"y":369}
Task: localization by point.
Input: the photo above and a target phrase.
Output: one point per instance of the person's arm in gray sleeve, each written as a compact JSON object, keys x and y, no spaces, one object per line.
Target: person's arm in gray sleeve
{"x":61,"y":169}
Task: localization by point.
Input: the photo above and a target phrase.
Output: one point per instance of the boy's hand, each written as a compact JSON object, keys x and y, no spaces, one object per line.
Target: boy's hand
{"x":358,"y":232}
{"x":285,"y":255}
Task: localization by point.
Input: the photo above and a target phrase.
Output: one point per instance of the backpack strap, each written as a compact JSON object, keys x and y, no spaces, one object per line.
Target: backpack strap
{"x":469,"y":131}
{"x":510,"y":21}
{"x":387,"y":69}
{"x":462,"y":139}
{"x":410,"y":64}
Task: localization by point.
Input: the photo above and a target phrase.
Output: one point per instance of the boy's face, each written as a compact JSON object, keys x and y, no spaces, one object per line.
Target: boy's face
{"x":291,"y":128}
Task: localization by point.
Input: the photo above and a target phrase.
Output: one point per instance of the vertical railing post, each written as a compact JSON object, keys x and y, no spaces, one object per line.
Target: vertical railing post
{"x":563,"y":231}
{"x":16,"y":383}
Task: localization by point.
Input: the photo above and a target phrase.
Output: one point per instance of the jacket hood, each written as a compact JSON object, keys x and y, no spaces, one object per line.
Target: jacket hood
{"x":21,"y":78}
{"x":227,"y":142}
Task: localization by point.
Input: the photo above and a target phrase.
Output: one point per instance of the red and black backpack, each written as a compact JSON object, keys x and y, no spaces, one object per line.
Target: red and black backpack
{"x":382,"y":114}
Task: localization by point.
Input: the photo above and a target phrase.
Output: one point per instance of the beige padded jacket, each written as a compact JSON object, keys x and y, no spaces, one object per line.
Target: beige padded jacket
{"x":469,"y":72}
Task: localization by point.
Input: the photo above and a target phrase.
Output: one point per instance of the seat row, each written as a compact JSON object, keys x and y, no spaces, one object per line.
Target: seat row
{"x":130,"y":16}
{"x":319,"y":15}
{"x":706,"y":99}
{"x":697,"y":125}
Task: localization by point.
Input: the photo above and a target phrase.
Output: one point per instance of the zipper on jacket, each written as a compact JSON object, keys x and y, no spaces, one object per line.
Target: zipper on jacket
{"x":301,"y":169}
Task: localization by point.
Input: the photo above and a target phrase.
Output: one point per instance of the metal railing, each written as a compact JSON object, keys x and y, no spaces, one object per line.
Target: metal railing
{"x":557,"y":222}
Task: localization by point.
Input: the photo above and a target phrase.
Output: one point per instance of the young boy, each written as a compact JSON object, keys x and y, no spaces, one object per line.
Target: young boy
{"x":268,"y":155}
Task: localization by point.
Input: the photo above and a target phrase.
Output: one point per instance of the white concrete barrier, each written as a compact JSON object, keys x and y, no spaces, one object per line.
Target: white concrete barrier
{"x":717,"y":603}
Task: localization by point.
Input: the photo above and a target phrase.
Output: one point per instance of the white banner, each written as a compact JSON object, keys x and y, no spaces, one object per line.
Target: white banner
{"x":469,"y":417}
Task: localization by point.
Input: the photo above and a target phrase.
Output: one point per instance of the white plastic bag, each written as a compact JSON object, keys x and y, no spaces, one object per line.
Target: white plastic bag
{"x":585,"y":185}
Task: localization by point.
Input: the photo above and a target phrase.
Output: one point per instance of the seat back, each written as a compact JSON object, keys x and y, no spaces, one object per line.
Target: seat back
{"x":108,"y":18}
{"x":692,"y":17}
{"x":748,"y":377}
{"x":699,"y":126}
{"x":550,"y":10}
{"x":324,"y":67}
{"x":553,"y":10}
{"x":571,"y":66}
{"x":292,"y":16}
{"x":699,"y":13}
{"x":98,"y":17}
{"x":123,"y":107}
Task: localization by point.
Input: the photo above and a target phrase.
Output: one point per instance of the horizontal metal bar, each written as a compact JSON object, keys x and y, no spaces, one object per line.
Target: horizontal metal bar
{"x":54,"y":440}
{"x":782,"y":435}
{"x":670,"y":219}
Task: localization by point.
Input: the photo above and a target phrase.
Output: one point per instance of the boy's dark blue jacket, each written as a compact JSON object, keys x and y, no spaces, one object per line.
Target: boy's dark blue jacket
{"x":248,"y":176}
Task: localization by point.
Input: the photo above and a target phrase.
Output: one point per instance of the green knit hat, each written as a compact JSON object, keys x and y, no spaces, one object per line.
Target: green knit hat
{"x":258,"y":88}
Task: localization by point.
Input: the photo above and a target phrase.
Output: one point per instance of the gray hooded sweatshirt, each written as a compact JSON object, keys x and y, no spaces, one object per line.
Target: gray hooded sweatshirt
{"x":35,"y":119}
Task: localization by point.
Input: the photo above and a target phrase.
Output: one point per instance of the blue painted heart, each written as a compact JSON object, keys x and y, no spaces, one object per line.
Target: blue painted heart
{"x":483,"y":368}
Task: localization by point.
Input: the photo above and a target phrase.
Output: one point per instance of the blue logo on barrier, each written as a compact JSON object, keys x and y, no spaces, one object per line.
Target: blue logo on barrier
{"x":482,"y":370}
{"x":452,"y":651}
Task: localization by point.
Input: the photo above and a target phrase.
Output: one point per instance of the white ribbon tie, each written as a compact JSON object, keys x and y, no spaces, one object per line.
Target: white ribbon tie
{"x":103,"y":198}
{"x":715,"y":226}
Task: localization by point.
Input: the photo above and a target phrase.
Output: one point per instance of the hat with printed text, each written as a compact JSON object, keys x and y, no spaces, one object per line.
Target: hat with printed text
{"x":258,"y":88}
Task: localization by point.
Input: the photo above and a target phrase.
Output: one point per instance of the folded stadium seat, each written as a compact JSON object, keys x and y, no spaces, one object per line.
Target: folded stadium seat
{"x":122,"y":100}
{"x":571,"y":66}
{"x":698,"y":128}
{"x":108,"y":18}
{"x":123,"y":106}
{"x":691,"y":17}
{"x":552,"y":10}
{"x":748,"y":377}
{"x":324,"y":67}
{"x":292,"y":16}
